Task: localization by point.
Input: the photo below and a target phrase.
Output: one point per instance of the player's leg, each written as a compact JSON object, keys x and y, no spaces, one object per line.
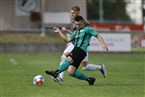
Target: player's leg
{"x":72,"y":71}
{"x":76,"y":74}
{"x":63,"y":57}
{"x":59,"y":79}
{"x":61,"y":68}
{"x":77,"y":56}
{"x":69,"y":48}
{"x":87,"y":66}
{"x":96,"y":67}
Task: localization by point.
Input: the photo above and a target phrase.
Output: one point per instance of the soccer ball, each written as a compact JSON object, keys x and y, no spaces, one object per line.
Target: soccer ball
{"x":38,"y":80}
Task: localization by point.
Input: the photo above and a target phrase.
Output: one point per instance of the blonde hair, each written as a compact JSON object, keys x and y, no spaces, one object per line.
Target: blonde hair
{"x":75,"y":8}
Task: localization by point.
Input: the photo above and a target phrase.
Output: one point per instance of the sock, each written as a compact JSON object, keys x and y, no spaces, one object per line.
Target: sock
{"x":64,"y":66}
{"x":63,"y":57}
{"x":92,"y":67}
{"x":79,"y":75}
{"x":61,"y":75}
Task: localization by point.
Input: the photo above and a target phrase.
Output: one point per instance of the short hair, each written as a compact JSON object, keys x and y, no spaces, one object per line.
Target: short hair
{"x":79,"y":18}
{"x":75,"y":8}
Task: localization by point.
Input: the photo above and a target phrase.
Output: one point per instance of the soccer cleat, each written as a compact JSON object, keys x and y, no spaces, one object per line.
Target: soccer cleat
{"x":91,"y":80}
{"x":58,"y":80}
{"x":52,"y":73}
{"x":103,"y":70}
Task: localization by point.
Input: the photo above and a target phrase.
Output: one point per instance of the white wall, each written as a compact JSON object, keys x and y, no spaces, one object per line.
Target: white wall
{"x":10,"y":20}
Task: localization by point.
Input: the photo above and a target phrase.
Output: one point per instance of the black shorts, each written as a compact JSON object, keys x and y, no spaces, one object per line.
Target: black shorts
{"x":77,"y":56}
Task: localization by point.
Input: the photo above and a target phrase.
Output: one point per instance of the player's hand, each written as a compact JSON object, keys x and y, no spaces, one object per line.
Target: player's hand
{"x":105,"y":48}
{"x":55,"y":29}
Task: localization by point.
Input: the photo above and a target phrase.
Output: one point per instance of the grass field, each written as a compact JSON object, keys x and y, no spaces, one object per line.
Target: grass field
{"x":125,"y":76}
{"x":13,"y":38}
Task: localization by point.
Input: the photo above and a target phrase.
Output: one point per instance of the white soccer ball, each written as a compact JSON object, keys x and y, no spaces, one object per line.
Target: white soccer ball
{"x":38,"y":80}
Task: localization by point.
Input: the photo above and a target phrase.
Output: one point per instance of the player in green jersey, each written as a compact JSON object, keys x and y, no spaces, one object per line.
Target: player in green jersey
{"x":74,"y":12}
{"x":81,"y":38}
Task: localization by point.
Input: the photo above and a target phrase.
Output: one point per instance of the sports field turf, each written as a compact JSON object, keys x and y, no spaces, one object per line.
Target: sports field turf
{"x":125,"y":76}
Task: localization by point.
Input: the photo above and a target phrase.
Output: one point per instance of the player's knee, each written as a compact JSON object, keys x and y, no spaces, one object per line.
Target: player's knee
{"x":69,"y":59}
{"x":84,"y":64}
{"x":70,"y":73}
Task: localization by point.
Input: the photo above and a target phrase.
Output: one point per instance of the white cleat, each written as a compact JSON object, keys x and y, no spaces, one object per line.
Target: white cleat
{"x":58,"y":80}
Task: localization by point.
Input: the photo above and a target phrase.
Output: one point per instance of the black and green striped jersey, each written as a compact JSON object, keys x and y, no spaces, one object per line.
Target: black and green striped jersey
{"x":81,"y":38}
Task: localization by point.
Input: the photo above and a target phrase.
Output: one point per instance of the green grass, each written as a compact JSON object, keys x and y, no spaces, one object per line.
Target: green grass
{"x":29,"y":38}
{"x":125,"y":76}
{"x":138,"y":49}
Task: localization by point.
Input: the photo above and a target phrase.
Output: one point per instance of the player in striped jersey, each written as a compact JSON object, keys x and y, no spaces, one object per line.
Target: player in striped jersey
{"x":74,"y":12}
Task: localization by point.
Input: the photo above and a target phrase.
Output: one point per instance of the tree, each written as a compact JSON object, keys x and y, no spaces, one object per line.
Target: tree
{"x":113,"y":10}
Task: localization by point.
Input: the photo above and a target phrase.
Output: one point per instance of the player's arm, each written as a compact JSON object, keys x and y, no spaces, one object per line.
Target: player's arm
{"x":67,"y":30}
{"x":63,"y":36}
{"x":98,"y":36}
{"x":101,"y":40}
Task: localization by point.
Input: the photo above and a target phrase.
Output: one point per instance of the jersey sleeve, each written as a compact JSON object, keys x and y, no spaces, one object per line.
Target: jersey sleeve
{"x":92,"y":32}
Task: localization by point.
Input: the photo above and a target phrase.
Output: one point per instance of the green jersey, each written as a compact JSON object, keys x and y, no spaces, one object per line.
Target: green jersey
{"x":81,"y":38}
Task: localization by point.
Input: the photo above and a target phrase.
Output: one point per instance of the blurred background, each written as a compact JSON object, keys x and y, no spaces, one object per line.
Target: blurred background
{"x":26,"y":25}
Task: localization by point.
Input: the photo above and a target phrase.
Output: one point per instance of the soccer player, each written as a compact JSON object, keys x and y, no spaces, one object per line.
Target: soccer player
{"x":81,"y":38}
{"x":74,"y":12}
